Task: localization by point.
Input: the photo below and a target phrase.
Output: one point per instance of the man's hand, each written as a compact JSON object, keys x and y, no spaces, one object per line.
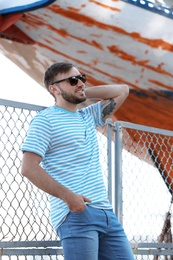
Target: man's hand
{"x":76,"y":202}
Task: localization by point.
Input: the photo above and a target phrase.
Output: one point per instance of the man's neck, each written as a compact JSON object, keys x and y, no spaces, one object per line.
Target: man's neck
{"x":69,"y":107}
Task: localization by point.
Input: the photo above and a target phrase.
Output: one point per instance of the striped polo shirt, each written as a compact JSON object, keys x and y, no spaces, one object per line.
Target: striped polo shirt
{"x":68,"y":145}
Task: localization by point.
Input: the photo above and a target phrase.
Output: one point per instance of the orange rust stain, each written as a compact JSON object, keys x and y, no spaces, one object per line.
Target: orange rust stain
{"x":158,"y":43}
{"x":57,"y":40}
{"x":89,"y":21}
{"x":81,"y":51}
{"x":161,"y":65}
{"x":74,"y":9}
{"x":92,"y":43}
{"x":155,"y":82}
{"x":31,"y":19}
{"x":113,"y":65}
{"x":95,"y":62}
{"x":143,"y":62}
{"x":105,"y":6}
{"x":35,"y":22}
{"x":48,"y":41}
{"x":154,"y":43}
{"x":97,"y":45}
{"x":69,"y":14}
{"x":62,"y":32}
{"x":123,"y":55}
{"x":96,"y":35}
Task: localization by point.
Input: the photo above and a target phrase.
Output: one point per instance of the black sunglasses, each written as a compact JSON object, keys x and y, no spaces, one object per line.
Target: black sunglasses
{"x":73,"y":80}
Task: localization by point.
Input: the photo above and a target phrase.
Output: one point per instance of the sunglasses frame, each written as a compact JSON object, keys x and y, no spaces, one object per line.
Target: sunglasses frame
{"x":82,"y":77}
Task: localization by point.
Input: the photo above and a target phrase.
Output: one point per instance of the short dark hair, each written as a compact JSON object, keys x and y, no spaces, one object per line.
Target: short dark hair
{"x":55,"y":69}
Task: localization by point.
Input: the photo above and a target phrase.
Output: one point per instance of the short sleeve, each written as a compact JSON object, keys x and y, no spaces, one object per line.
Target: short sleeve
{"x":38,"y":139}
{"x":95,"y":110}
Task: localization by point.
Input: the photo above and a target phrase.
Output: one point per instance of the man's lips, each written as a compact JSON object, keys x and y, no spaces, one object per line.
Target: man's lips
{"x":80,"y":91}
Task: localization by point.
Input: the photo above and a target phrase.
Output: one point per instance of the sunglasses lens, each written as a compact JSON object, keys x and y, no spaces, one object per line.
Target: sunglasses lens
{"x":83,"y":78}
{"x":73,"y":81}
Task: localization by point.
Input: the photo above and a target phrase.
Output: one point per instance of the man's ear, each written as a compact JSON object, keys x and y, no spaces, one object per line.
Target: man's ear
{"x":53,"y":90}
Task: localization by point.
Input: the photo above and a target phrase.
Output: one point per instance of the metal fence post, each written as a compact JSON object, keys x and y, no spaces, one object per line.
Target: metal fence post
{"x":118,"y":171}
{"x":109,"y":123}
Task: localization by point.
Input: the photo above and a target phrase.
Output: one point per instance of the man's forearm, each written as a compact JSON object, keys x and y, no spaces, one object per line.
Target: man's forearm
{"x":107,"y":91}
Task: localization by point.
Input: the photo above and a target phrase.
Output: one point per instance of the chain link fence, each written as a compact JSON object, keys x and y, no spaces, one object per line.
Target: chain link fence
{"x":137,"y":167}
{"x":143,"y":188}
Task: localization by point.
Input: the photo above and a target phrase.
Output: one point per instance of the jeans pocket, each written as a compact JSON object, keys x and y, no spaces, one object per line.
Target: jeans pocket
{"x":80,"y":212}
{"x":78,"y":217}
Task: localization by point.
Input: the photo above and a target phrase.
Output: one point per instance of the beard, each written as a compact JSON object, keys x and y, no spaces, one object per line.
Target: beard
{"x":72,"y":98}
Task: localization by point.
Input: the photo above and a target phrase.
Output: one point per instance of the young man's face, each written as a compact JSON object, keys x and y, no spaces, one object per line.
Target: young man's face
{"x":75,"y":92}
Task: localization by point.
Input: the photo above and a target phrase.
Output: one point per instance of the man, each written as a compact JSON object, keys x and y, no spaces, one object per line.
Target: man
{"x":63,"y":139}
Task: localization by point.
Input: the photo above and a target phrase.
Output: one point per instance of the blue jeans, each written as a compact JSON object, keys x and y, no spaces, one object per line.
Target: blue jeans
{"x":94,"y":234}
